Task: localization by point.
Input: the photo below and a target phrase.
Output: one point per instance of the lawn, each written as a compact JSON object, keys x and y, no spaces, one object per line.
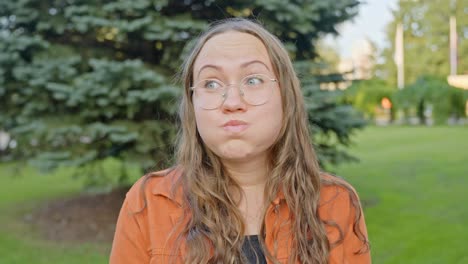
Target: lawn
{"x":412,"y":180}
{"x":21,"y":192}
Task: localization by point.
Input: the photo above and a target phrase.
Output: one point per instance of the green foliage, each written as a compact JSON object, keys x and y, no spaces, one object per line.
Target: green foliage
{"x":331,"y":122}
{"x":366,"y":95}
{"x":84,"y":80}
{"x":432,"y":91}
{"x":426,"y":38}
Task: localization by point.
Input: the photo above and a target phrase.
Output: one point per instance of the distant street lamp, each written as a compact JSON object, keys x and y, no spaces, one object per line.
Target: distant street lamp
{"x":399,"y":55}
{"x":453,"y":46}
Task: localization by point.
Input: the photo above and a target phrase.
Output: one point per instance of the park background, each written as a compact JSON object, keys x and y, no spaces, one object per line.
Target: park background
{"x":88,"y":103}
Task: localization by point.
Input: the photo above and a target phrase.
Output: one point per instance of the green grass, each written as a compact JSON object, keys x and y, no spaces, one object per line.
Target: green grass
{"x":14,"y":249}
{"x":413,"y":178}
{"x":22,"y":190}
{"x":21,"y":185}
{"x":417,"y":177}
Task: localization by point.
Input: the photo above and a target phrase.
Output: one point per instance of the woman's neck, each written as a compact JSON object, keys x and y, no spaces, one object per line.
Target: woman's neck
{"x":248,"y":174}
{"x":251,"y":177}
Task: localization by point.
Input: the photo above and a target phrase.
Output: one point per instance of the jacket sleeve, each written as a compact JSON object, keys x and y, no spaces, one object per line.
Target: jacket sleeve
{"x":355,"y":251}
{"x":340,"y":210}
{"x":131,"y":243}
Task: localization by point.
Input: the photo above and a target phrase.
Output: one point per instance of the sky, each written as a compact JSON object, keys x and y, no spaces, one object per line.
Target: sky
{"x":370,"y":23}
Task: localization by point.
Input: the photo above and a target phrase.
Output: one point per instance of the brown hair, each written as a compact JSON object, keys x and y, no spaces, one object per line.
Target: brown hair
{"x":293,"y":169}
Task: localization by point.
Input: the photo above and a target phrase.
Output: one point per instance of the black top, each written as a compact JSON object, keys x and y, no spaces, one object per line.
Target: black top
{"x":253,"y":251}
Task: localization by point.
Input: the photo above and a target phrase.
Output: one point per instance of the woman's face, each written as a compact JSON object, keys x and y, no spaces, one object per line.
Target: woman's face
{"x":236,"y":131}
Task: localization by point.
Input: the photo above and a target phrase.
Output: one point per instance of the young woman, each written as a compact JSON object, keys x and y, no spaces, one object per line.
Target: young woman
{"x":247,"y":187}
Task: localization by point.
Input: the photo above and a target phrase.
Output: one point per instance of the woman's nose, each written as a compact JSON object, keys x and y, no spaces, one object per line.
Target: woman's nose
{"x":233,"y":99}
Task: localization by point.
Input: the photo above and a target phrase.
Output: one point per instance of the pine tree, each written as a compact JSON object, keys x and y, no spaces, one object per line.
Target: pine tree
{"x":84,"y":80}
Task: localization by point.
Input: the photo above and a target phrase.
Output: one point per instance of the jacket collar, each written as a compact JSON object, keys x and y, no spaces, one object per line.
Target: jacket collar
{"x":165,"y":187}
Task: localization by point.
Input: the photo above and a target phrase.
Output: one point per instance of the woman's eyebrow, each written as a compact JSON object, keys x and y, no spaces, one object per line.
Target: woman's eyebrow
{"x":218,"y":68}
{"x":243,"y":65}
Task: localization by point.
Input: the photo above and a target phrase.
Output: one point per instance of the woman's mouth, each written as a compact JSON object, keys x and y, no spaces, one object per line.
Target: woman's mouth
{"x":235,"y":126}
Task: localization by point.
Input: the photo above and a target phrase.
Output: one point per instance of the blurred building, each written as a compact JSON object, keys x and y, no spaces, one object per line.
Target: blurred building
{"x":359,"y":67}
{"x":363,"y":57}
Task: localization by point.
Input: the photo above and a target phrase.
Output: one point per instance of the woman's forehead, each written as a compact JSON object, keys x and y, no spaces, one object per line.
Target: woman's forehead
{"x":232,"y":49}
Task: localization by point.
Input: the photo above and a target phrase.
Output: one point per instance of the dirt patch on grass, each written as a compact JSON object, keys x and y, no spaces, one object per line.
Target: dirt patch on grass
{"x":85,"y":218}
{"x":88,"y":217}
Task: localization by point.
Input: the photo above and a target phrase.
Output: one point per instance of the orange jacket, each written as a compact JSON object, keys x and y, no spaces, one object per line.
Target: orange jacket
{"x":141,"y":235}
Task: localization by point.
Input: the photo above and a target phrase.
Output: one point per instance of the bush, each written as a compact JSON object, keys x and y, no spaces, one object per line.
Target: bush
{"x":427,"y":91}
{"x":366,"y":95}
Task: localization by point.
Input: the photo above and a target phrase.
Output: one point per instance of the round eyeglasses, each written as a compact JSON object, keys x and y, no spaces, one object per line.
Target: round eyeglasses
{"x":255,"y":89}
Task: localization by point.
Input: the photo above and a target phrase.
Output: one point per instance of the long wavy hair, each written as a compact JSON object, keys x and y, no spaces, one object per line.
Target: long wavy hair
{"x":214,"y":231}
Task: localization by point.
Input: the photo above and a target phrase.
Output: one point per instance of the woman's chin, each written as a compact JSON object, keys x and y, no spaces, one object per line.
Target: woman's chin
{"x":235,"y":152}
{"x":239,"y":155}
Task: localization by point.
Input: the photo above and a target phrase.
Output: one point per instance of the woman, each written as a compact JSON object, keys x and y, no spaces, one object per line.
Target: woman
{"x":246,"y":187}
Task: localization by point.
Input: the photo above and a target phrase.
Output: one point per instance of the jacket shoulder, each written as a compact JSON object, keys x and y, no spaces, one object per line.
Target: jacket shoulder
{"x":341,"y":210}
{"x":338,"y":200}
{"x":334,"y":187}
{"x":154,"y":183}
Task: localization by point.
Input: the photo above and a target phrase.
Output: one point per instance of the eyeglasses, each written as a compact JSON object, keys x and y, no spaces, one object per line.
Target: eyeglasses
{"x":255,"y":89}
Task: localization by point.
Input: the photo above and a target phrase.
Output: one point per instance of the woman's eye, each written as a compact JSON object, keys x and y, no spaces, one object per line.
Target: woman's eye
{"x":210,"y":84}
{"x":254,"y":81}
